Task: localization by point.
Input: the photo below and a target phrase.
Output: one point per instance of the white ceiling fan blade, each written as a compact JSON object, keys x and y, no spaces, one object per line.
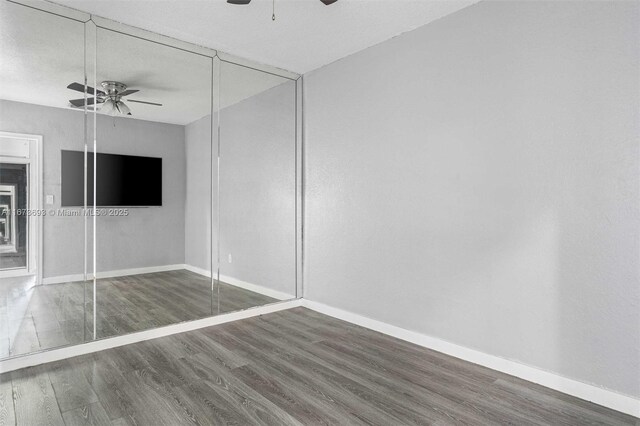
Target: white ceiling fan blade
{"x":128,"y":92}
{"x":143,"y":102}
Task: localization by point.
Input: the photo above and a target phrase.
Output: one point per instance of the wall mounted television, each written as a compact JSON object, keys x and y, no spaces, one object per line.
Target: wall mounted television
{"x":122,"y":180}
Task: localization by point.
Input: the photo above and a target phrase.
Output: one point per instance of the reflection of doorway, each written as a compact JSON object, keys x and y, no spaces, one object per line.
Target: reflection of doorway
{"x":20,"y":194}
{"x":12,"y":246}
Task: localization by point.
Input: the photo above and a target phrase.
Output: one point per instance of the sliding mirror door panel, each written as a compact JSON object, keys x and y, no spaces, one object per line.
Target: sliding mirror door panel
{"x":143,"y":182}
{"x":153,"y":185}
{"x":43,"y":251}
{"x":257,"y":178}
{"x":85,"y":194}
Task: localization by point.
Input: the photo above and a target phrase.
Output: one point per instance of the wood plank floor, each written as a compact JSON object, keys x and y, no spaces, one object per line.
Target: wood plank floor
{"x":292,"y":367}
{"x":43,"y":317}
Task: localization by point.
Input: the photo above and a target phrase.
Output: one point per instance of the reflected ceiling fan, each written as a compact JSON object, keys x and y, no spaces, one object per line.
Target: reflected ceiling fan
{"x":273,"y":16}
{"x":110,"y":97}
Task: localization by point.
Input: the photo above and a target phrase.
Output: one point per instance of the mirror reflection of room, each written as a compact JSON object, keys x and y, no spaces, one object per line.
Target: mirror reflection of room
{"x":257,"y":183}
{"x":42,"y":292}
{"x":131,"y":226}
{"x":147,"y":93}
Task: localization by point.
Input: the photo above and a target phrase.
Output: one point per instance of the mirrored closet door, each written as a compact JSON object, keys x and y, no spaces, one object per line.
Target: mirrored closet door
{"x":153,"y":183}
{"x":257,"y":187}
{"x":144,"y":181}
{"x":44,"y":252}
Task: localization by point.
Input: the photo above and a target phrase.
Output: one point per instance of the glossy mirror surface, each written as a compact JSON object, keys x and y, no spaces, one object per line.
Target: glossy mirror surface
{"x":43,"y":250}
{"x":142,"y":183}
{"x":257,"y":186}
{"x":153,"y":185}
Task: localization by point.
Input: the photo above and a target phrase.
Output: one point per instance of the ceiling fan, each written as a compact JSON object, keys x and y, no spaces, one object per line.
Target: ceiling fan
{"x":110,"y":97}
{"x":327,"y":2}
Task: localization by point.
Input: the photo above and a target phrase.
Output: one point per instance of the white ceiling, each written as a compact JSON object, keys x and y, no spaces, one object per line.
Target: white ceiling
{"x":42,"y":53}
{"x":305,"y":35}
{"x":36,"y":67}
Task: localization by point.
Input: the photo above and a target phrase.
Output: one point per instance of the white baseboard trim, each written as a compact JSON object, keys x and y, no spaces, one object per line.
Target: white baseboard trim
{"x":111,"y":274}
{"x":243,"y":284}
{"x":592,"y":393}
{"x":199,"y":271}
{"x":52,"y":355}
{"x":256,"y":288}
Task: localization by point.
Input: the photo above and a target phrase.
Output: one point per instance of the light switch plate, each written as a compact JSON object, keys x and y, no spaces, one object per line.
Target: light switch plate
{"x":48,"y":199}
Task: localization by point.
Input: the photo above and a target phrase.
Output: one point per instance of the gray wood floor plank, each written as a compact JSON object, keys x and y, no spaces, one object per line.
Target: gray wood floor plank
{"x":193,"y":344}
{"x":281,"y":381}
{"x":206,"y":406}
{"x":551,"y":407}
{"x":277,"y":389}
{"x":357,"y":390}
{"x":44,"y":317}
{"x":70,"y":386}
{"x":422,"y":391}
{"x":334,"y":390}
{"x":219,"y":378}
{"x":34,"y":399}
{"x":165,"y":401}
{"x":118,"y":398}
{"x":7,"y":411}
{"x":291,"y":367}
{"x":92,"y":414}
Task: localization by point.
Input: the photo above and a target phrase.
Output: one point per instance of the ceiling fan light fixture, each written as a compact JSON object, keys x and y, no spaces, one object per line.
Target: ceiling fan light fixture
{"x":123,"y":108}
{"x":109,"y":107}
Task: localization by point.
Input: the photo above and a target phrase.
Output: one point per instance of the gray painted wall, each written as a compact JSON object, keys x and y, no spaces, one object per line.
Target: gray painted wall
{"x":476,"y":180}
{"x":197,"y":250}
{"x":257,"y":190}
{"x":148,"y":236}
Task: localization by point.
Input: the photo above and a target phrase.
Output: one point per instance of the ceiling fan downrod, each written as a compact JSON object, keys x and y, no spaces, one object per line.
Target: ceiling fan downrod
{"x":273,"y":14}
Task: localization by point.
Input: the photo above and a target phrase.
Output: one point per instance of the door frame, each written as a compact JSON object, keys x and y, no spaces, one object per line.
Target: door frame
{"x":34,"y":159}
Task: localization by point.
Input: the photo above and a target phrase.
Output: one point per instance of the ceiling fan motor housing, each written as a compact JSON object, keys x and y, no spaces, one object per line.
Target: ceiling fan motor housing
{"x":113,"y":88}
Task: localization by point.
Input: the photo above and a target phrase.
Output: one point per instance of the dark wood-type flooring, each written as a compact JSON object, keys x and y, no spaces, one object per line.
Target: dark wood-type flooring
{"x":291,"y":367}
{"x":33,"y":318}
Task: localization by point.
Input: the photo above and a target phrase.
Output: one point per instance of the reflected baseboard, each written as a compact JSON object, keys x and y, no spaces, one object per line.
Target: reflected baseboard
{"x":111,"y":274}
{"x":256,"y":288}
{"x":265,"y":291}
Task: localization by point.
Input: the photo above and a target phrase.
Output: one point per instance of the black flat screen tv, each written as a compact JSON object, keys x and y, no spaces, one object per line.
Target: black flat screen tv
{"x":122,"y":180}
